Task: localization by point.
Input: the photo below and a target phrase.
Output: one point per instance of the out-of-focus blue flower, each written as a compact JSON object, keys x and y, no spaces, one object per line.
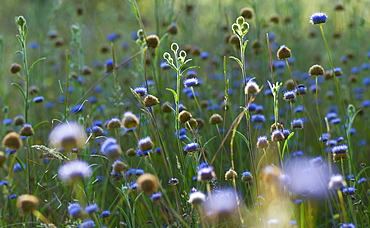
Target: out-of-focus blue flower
{"x":33,"y":45}
{"x":112,"y":36}
{"x":38,"y":99}
{"x":77,"y":108}
{"x":91,"y":208}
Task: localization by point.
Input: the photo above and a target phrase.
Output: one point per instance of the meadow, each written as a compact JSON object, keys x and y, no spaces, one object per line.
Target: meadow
{"x":164,"y":113}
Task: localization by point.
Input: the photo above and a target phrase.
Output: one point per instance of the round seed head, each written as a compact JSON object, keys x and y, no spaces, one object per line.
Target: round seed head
{"x":130,"y":120}
{"x":231,"y":174}
{"x":150,"y":101}
{"x":184,"y":116}
{"x":152,"y":41}
{"x":12,"y":140}
{"x":27,"y":203}
{"x":215,"y":119}
{"x":247,"y":13}
{"x":284,"y":53}
{"x":15,"y":68}
{"x":316,"y":70}
{"x":26,"y":130}
{"x":148,"y":183}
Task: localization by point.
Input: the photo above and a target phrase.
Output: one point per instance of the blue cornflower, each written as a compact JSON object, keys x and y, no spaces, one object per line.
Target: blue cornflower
{"x":206,"y":174}
{"x":286,"y":133}
{"x":141,"y":91}
{"x":74,"y":209}
{"x":331,"y":142}
{"x":17,"y":167}
{"x":340,"y":149}
{"x":355,"y":70}
{"x":173,"y":181}
{"x":77,"y":108}
{"x":335,"y":121}
{"x":258,"y":118}
{"x":298,"y":201}
{"x":331,"y":115}
{"x":91,"y":208}
{"x":348,"y":225}
{"x":252,"y":107}
{"x":289,"y":95}
{"x":38,"y":99}
{"x":112,"y":36}
{"x":33,"y":45}
{"x":297,"y":154}
{"x":363,"y":179}
{"x":104,"y":214}
{"x":349,"y":190}
{"x":191,"y":82}
{"x":340,"y":139}
{"x":204,"y":55}
{"x":297,"y":124}
{"x":133,"y":171}
{"x":4,"y":182}
{"x":7,"y":121}
{"x":191,"y":147}
{"x":247,"y":177}
{"x":318,"y":18}
{"x":133,"y":185}
{"x":156,"y":196}
{"x":111,"y":148}
{"x":13,"y":196}
{"x":301,"y":89}
{"x":164,"y":65}
{"x":366,"y":81}
{"x":365,"y":103}
{"x":299,"y":108}
{"x":109,"y":62}
{"x":88,"y":223}
{"x":365,"y":66}
{"x":316,"y":161}
{"x":98,"y":89}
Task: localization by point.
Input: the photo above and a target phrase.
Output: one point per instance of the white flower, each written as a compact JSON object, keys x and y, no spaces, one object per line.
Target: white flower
{"x":74,"y":170}
{"x":67,"y":135}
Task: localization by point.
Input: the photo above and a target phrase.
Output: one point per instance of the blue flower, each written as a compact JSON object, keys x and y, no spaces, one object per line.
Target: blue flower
{"x":156,"y":196}
{"x":78,"y":108}
{"x":17,"y":167}
{"x":297,"y":124}
{"x":33,"y":45}
{"x":204,"y":55}
{"x":13,"y":196}
{"x":109,"y":62}
{"x":104,"y":214}
{"x":355,"y":70}
{"x":88,"y":223}
{"x":141,"y":91}
{"x":190,"y":82}
{"x":38,"y":99}
{"x":4,"y":182}
{"x":7,"y":121}
{"x":112,"y":36}
{"x":74,"y":209}
{"x":91,"y":208}
{"x":318,"y":18}
{"x":191,"y":147}
{"x":258,"y":118}
{"x":348,"y":225}
{"x":289,"y":95}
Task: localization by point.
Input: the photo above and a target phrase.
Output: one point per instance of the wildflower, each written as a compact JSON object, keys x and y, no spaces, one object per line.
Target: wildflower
{"x":26,"y":130}
{"x":173,"y":181}
{"x":27,"y":203}
{"x":215,"y":119}
{"x":112,"y":36}
{"x":231,"y":174}
{"x":15,"y":68}
{"x":74,"y":210}
{"x":104,"y":214}
{"x":13,"y":196}
{"x":247,"y":13}
{"x":156,"y":196}
{"x":150,"y":101}
{"x":277,"y":135}
{"x":284,"y":52}
{"x":152,"y":41}
{"x":318,"y":18}
{"x":145,"y":144}
{"x":206,"y":174}
{"x":336,"y":182}
{"x":289,"y":95}
{"x":38,"y":99}
{"x":286,"y":133}
{"x":337,"y":71}
{"x":221,"y":205}
{"x":196,"y":198}
{"x":316,"y":70}
{"x":348,"y":225}
{"x":297,"y":124}
{"x":114,"y":123}
{"x":349,"y":191}
{"x":251,"y":88}
{"x":184,"y":116}
{"x":109,"y":64}
{"x":2,"y":158}
{"x":172,"y":28}
{"x":119,"y":166}
{"x":258,"y":118}
{"x":88,"y":223}
{"x":336,"y":121}
{"x":247,"y":177}
{"x":111,"y":148}
{"x":91,"y":208}
{"x":74,"y":170}
{"x":262,"y":142}
{"x":191,"y":147}
{"x":12,"y":141}
{"x":148,"y":183}
{"x":67,"y":135}
{"x":130,"y":120}
{"x":191,"y":82}
{"x":141,"y":91}
{"x":18,"y":120}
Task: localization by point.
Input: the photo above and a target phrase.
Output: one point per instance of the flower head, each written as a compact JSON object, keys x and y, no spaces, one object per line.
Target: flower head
{"x":191,"y":82}
{"x":74,"y":170}
{"x":318,"y":18}
{"x":67,"y":135}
